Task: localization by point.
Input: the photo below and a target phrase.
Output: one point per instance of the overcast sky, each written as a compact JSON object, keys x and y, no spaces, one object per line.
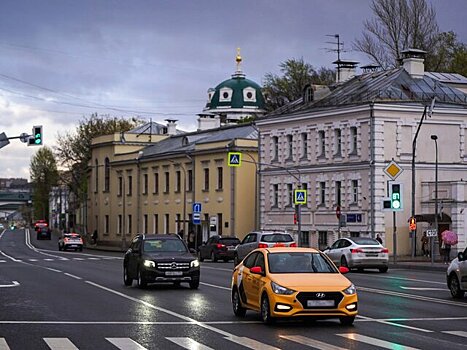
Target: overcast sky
{"x":65,"y":59}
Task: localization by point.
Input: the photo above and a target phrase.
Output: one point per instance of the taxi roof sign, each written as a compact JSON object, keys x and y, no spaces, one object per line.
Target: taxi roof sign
{"x":235,"y":159}
{"x":393,"y":170}
{"x":299,"y":197}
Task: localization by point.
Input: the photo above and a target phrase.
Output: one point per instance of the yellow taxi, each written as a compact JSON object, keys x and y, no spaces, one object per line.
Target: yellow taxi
{"x":292,"y":282}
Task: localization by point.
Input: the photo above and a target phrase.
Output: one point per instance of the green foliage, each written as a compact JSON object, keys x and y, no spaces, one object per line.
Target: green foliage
{"x":44,"y":175}
{"x":296,"y":74}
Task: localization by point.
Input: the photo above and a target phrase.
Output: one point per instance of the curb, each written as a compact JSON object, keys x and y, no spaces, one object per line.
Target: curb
{"x":417,"y":266}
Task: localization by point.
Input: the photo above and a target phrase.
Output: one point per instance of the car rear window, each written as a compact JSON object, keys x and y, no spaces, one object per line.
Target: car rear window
{"x":365,"y":241}
{"x":299,"y":262}
{"x":229,"y":241}
{"x":277,"y":237}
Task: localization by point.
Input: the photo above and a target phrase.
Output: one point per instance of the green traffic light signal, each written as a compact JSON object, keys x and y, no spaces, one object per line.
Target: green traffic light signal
{"x":396,"y":196}
{"x":37,"y":135}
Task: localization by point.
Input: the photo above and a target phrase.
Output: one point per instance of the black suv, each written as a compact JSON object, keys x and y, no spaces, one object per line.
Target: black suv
{"x":160,"y":258}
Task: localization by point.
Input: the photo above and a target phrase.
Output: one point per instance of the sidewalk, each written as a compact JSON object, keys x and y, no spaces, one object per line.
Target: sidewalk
{"x":417,"y":263}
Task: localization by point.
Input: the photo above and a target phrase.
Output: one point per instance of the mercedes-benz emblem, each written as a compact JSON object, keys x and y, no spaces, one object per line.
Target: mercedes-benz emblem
{"x":320,"y":295}
{"x":174,"y":265}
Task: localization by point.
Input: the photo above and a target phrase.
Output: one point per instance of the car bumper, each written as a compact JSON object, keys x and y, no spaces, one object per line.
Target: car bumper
{"x":369,"y":262}
{"x":291,"y":306}
{"x":225,"y":254}
{"x":152,"y":275}
{"x":73,"y":246}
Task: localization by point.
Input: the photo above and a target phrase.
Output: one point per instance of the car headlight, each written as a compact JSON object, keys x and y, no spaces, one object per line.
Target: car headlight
{"x":194,"y":263}
{"x":350,"y":290}
{"x":278,"y":289}
{"x":149,"y":263}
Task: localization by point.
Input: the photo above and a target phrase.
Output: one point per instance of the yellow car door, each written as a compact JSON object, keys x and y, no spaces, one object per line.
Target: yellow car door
{"x":257,"y":280}
{"x":247,"y":279}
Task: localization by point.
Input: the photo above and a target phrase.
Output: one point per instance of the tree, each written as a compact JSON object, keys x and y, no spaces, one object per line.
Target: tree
{"x":296,"y":74}
{"x":74,"y":148}
{"x":399,"y":25}
{"x":44,"y":175}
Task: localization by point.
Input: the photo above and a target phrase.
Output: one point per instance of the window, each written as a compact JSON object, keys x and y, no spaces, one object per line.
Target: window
{"x":167,"y":183}
{"x":120,"y":186}
{"x":156,"y":183}
{"x":308,"y":94}
{"x":338,"y":192}
{"x":145,"y":183}
{"x":106,"y":225}
{"x":129,"y":224}
{"x":322,"y":143}
{"x":354,"y":191}
{"x":145,"y":223}
{"x":290,"y":194}
{"x":119,"y":225}
{"x":322,"y":193}
{"x":178,"y":181}
{"x":166,"y":223}
{"x":275,"y":195}
{"x":178,"y":223}
{"x":290,"y":147}
{"x":353,"y":136}
{"x":155,"y":228}
{"x":338,"y":138}
{"x":206,"y":179}
{"x":220,"y":180}
{"x":275,"y":148}
{"x":130,"y":185}
{"x":96,"y":176}
{"x":107,"y":175}
{"x":219,"y":224}
{"x":304,"y":141}
{"x":322,"y":240}
{"x":190,"y":180}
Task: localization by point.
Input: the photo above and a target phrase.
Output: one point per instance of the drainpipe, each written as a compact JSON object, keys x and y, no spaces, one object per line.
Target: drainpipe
{"x":372,"y":171}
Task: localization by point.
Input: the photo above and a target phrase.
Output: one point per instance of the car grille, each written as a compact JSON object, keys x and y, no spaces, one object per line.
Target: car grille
{"x":173,"y":265}
{"x":304,"y":296}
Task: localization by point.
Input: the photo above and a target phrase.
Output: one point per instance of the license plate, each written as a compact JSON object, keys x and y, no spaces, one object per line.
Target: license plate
{"x":230,"y":248}
{"x":372,"y":255}
{"x":314,"y":303}
{"x":173,"y":273}
{"x":279,"y":245}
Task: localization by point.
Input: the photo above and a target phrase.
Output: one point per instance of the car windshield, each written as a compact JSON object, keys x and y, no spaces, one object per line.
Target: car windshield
{"x":277,"y":237}
{"x":229,"y":241}
{"x":365,"y":241}
{"x":70,"y":235}
{"x":299,"y":262}
{"x":164,"y":245}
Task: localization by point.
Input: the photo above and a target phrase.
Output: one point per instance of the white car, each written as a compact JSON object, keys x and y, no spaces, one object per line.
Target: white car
{"x":359,"y":253}
{"x":70,"y":241}
{"x":456,"y":275}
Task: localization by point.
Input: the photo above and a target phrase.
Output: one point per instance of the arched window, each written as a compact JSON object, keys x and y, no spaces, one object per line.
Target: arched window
{"x":107,"y":175}
{"x":96,"y":175}
{"x":307,"y":93}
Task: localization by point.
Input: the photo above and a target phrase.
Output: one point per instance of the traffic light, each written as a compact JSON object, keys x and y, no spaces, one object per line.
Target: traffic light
{"x":36,"y":138}
{"x":396,"y":196}
{"x":412,"y":224}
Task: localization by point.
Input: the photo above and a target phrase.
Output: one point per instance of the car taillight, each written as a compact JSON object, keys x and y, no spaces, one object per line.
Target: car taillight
{"x":385,"y":250}
{"x":219,"y":245}
{"x":262,"y":245}
{"x":293,"y":245}
{"x":357,"y":250}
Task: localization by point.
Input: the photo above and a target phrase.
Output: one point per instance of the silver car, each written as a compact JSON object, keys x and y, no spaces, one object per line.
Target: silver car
{"x":359,"y":252}
{"x":262,"y":239}
{"x":457,"y":275}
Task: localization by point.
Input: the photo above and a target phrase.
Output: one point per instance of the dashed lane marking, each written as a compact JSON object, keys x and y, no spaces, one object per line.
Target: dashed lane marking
{"x":188,"y":343}
{"x":60,"y":344}
{"x":125,"y":344}
{"x":375,"y":342}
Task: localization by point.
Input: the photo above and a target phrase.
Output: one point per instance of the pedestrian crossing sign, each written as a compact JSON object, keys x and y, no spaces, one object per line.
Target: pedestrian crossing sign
{"x":300,"y":197}
{"x":235,"y":159}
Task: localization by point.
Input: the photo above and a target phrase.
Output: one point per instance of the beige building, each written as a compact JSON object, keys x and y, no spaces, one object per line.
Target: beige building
{"x":337,"y":143}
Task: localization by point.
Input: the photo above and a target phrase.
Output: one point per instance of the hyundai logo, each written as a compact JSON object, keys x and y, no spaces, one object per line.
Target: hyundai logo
{"x":320,"y":295}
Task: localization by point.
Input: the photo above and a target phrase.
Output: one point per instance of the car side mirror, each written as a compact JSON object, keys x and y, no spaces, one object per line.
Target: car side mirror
{"x":343,"y":270}
{"x":257,"y":270}
{"x":460,"y":256}
{"x":328,"y":248}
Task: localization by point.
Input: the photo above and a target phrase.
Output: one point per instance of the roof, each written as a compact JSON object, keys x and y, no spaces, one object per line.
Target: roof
{"x":395,"y":85}
{"x":450,"y":78}
{"x":152,"y":128}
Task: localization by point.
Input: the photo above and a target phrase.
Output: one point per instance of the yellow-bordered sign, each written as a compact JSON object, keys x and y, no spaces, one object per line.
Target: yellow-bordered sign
{"x":235,"y":159}
{"x":299,"y":197}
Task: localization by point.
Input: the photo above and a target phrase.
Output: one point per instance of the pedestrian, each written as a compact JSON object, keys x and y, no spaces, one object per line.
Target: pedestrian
{"x":94,"y":237}
{"x":180,"y":233}
{"x":425,"y":250}
{"x":191,"y":239}
{"x":446,"y":252}
{"x":379,"y":239}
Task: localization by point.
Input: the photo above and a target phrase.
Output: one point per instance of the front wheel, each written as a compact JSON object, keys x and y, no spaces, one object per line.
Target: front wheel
{"x":200,"y":256}
{"x":455,"y":287}
{"x":383,"y":269}
{"x":213,"y":257}
{"x":238,"y":309}
{"x":59,"y":247}
{"x":347,"y":320}
{"x":344,"y":262}
{"x":266,"y":310}
{"x":236,"y":260}
{"x":126,"y":279}
{"x":141,"y":280}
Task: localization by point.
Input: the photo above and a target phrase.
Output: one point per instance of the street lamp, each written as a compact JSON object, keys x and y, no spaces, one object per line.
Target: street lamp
{"x":435,"y":138}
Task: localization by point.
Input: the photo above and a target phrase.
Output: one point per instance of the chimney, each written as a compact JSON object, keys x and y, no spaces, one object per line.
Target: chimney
{"x":208,"y":121}
{"x":171,"y":126}
{"x":346,"y":70}
{"x":412,"y":62}
{"x":370,"y":68}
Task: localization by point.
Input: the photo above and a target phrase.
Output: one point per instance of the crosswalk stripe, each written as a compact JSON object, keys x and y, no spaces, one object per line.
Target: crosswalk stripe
{"x":60,"y":344}
{"x":94,"y":258}
{"x":2,"y":261}
{"x":78,"y":259}
{"x":310,"y":342}
{"x":49,"y":259}
{"x":3,"y":344}
{"x":189,"y":343}
{"x":375,"y":341}
{"x":250,"y":343}
{"x":32,"y":259}
{"x":459,"y":333}
{"x":125,"y":344}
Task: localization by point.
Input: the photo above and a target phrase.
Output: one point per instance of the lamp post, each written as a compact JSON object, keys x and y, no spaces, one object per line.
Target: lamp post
{"x":435,"y":138}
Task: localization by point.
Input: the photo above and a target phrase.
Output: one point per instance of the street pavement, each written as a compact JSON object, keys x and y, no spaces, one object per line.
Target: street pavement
{"x":72,"y":300}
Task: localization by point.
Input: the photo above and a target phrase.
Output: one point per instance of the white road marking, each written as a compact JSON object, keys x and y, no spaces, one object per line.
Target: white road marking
{"x":14,"y":284}
{"x":147,"y":323}
{"x":80,"y":259}
{"x":250,"y":343}
{"x":459,"y":333}
{"x":73,"y":276}
{"x":375,"y":342}
{"x":397,"y":324}
{"x":2,"y":261}
{"x":413,"y":319}
{"x":125,"y":344}
{"x":10,"y":257}
{"x":407,"y":279}
{"x":54,"y":270}
{"x":3,"y":344}
{"x":310,"y":342}
{"x":189,"y":343}
{"x":423,"y":288}
{"x":214,"y":286}
{"x":60,"y":344}
{"x":214,"y":268}
{"x":32,"y":259}
{"x":49,"y":259}
{"x":94,"y":259}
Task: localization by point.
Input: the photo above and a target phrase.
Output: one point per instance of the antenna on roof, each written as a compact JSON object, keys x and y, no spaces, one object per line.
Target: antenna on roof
{"x":339,"y":48}
{"x":146,"y":129}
